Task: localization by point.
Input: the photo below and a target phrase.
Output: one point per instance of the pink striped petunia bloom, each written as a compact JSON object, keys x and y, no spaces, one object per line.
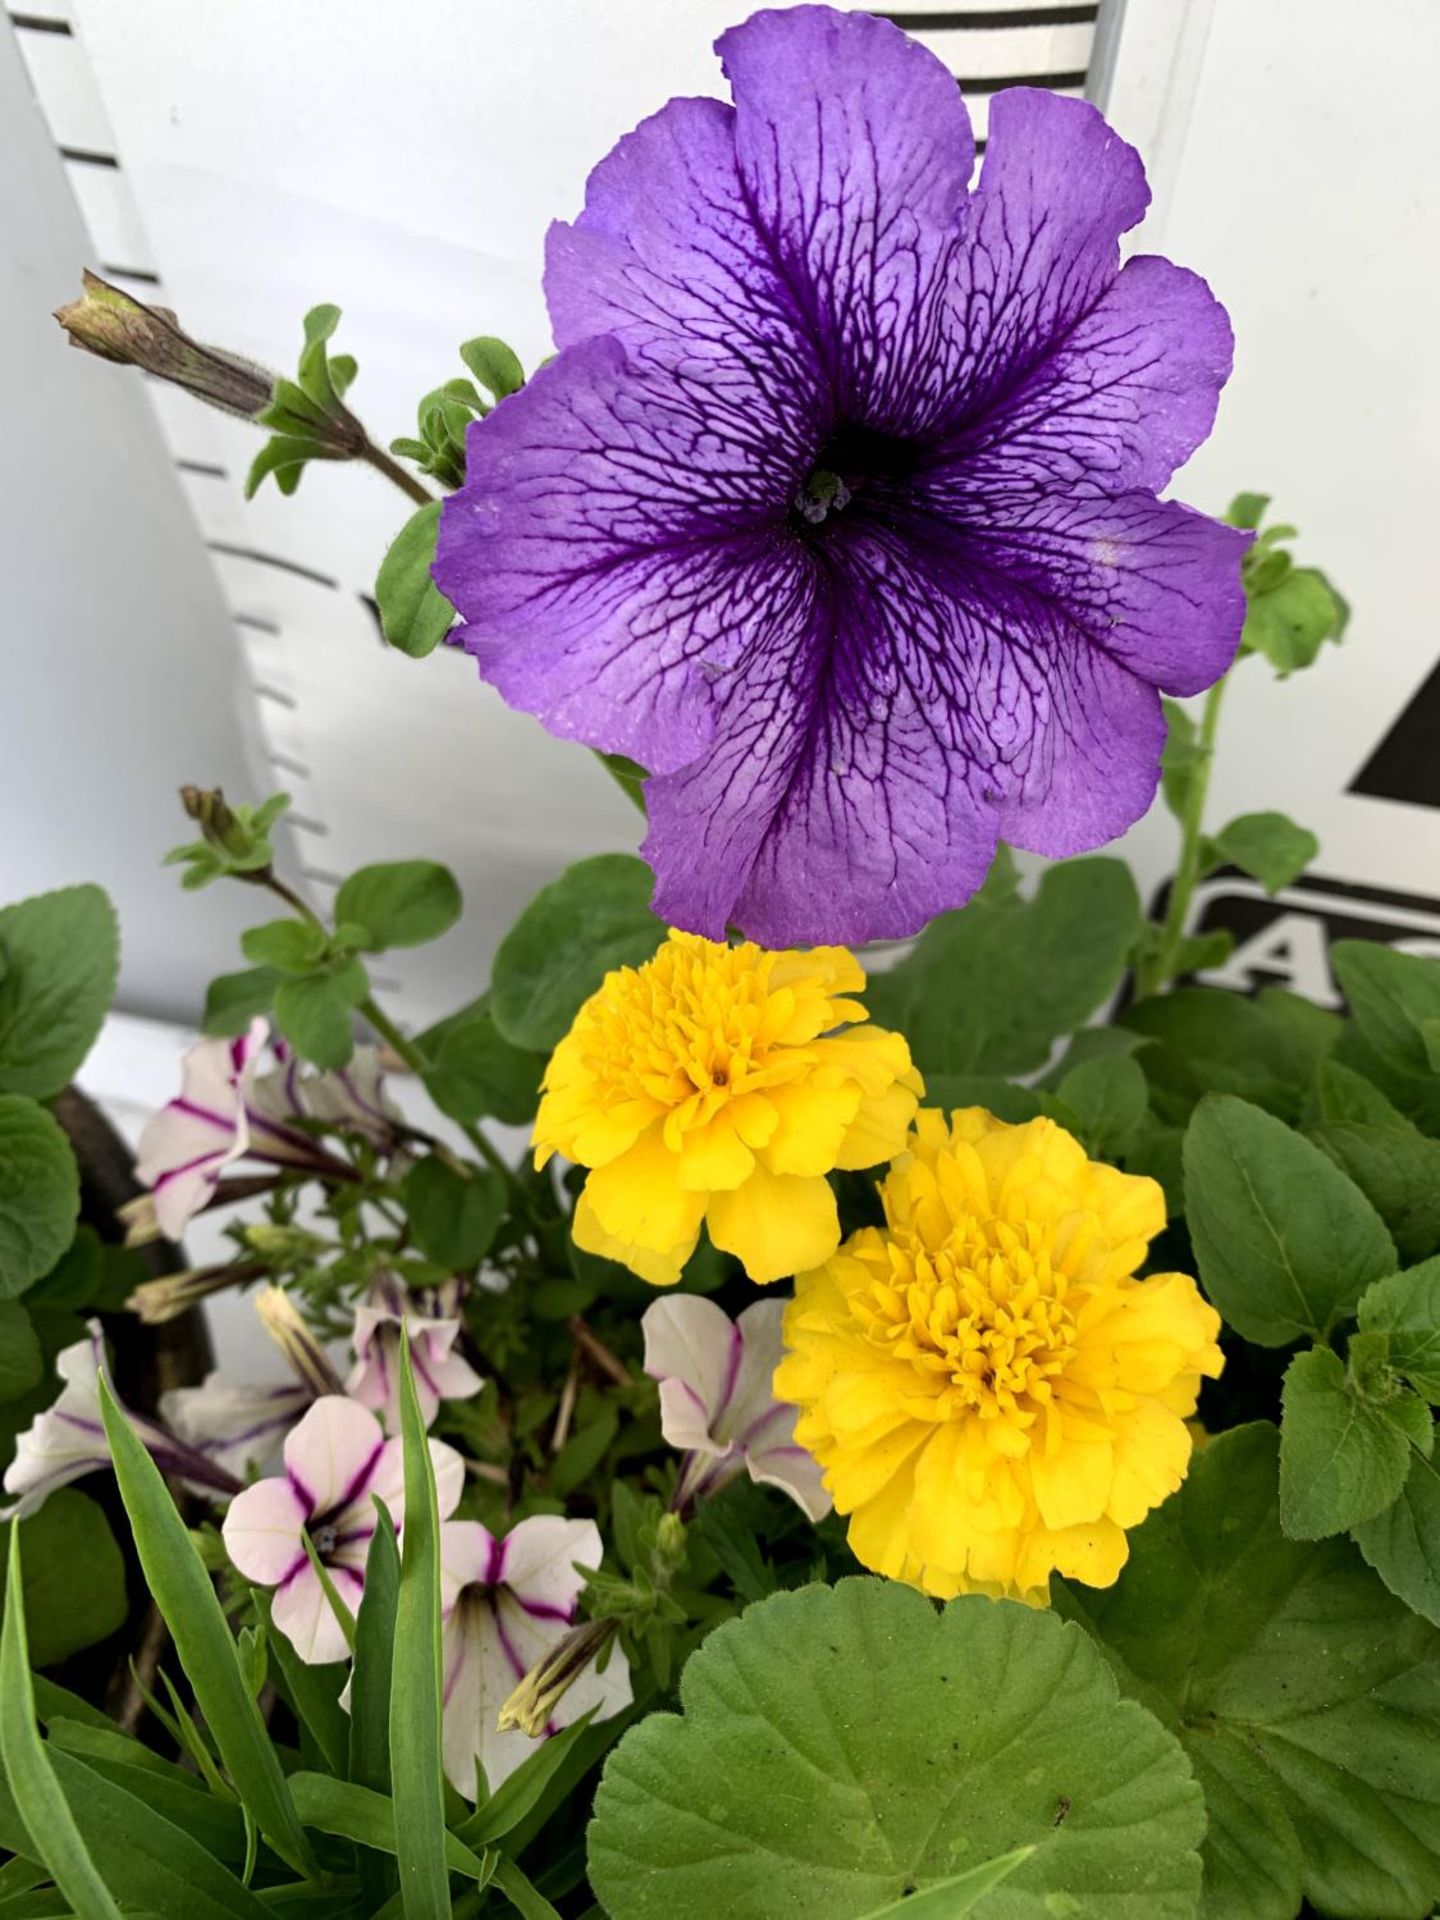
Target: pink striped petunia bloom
{"x":337,"y":1460}
{"x":717,"y":1399}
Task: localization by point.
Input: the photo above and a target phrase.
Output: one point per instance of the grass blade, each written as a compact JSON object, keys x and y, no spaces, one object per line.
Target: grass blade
{"x":948,"y":1899}
{"x":374,"y":1656}
{"x":355,"y":1813}
{"x":181,"y":1587}
{"x":313,"y":1695}
{"x":415,"y":1750}
{"x":521,"y":1892}
{"x":39,"y":1797}
{"x":151,"y":1862}
{"x":514,"y":1798}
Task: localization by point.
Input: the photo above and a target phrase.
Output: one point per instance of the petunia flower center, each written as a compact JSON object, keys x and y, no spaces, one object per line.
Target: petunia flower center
{"x":324,"y":1538}
{"x":855,"y":463}
{"x":985,"y":1314}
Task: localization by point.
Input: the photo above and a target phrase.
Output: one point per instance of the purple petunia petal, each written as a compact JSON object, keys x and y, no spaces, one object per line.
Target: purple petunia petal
{"x":856,"y":151}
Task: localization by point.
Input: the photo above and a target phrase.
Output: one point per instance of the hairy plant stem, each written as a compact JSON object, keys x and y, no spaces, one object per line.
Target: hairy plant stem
{"x":407,"y":1051}
{"x":1160,"y":968}
{"x":375,"y":457}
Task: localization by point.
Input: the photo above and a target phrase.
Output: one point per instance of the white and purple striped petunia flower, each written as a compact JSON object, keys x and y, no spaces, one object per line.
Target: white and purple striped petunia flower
{"x":434,"y":1324}
{"x":219,"y":1117}
{"x":238,"y":1425}
{"x":837,"y":508}
{"x":67,"y":1440}
{"x":717,"y":1399}
{"x":352,"y":1097}
{"x":337,"y":1460}
{"x":507,"y":1603}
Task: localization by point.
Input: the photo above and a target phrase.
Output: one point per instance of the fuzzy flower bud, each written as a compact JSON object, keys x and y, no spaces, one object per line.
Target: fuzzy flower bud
{"x":531,"y":1705}
{"x":114,"y":325}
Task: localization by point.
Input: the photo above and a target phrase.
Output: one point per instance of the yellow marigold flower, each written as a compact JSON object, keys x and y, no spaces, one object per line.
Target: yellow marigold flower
{"x":720,"y":1085}
{"x":992,"y":1394}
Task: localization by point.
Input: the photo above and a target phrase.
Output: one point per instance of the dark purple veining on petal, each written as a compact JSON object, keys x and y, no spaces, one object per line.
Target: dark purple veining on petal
{"x":837,"y":508}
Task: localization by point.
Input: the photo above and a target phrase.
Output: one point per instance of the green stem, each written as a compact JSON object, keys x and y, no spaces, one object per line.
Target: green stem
{"x":411,"y":1055}
{"x":373,"y":456}
{"x":1192,"y":835}
{"x":418,"y":1065}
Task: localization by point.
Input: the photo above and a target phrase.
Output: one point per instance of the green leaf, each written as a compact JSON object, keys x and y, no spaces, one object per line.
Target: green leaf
{"x":990,"y":988}
{"x":1402,"y":1544}
{"x":1269,"y":847}
{"x":313,"y":1012}
{"x":312,"y":1693}
{"x":22,"y":1365}
{"x":526,"y":1899}
{"x":374,"y":1654}
{"x":152,"y":1864}
{"x":583,"y":1452}
{"x":845,"y":1746}
{"x":359,"y":1813}
{"x":628,"y":775}
{"x":62,"y":954}
{"x":1206,"y":1041}
{"x":38,"y":1794}
{"x":286,"y":946}
{"x":1304,"y":1694}
{"x":1247,"y":510}
{"x":522,"y":1791}
{"x":1394,"y":1165}
{"x":401,"y":903}
{"x":1393,"y":996}
{"x":285,"y":455}
{"x":454,"y":1216}
{"x":74,"y":1577}
{"x":1292,"y":620}
{"x":475,"y":1073}
{"x":494,"y":365}
{"x":594,"y":918}
{"x":949,"y":1899}
{"x":181,"y":1588}
{"x":1343,"y":1457}
{"x":1181,"y":759}
{"x":1285,"y":1243}
{"x":1109,"y":1097}
{"x":233,"y":1000}
{"x":39,"y":1193}
{"x":1406,"y":1308}
{"x":415,"y":1763}
{"x":414,"y":615}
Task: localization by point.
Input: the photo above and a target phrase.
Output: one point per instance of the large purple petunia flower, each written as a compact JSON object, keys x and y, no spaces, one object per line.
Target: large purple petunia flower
{"x":836,"y":509}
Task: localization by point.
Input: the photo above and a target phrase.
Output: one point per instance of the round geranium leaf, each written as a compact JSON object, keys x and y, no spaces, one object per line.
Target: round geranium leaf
{"x":842,"y":1748}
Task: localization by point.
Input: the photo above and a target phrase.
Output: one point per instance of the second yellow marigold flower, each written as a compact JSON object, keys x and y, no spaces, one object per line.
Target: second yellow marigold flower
{"x":992,"y":1394}
{"x":719,"y":1085}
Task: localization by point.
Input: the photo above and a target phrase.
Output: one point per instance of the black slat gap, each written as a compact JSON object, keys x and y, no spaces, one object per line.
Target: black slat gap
{"x":210,"y":471}
{"x":142,"y":274}
{"x":255,"y":620}
{"x":995,"y":17}
{"x":305,"y":824}
{"x":39,"y":23}
{"x":288,"y":765}
{"x":323,"y":875}
{"x":87,"y":157}
{"x":272,"y":560}
{"x":266,"y":692}
{"x":980,"y":145}
{"x":1057,"y":82}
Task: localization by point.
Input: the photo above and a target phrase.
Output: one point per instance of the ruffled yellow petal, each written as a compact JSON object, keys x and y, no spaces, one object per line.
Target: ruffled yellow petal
{"x":775,"y":1224}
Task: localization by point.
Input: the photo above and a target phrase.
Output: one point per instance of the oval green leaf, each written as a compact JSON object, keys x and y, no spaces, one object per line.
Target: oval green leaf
{"x":62,"y":953}
{"x":39,"y":1193}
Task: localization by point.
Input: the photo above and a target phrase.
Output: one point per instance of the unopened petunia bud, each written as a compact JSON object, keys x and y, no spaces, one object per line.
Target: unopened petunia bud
{"x":297,"y":1342}
{"x":533,"y":1702}
{"x":109,"y":322}
{"x":207,"y":807}
{"x":155,"y":1301}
